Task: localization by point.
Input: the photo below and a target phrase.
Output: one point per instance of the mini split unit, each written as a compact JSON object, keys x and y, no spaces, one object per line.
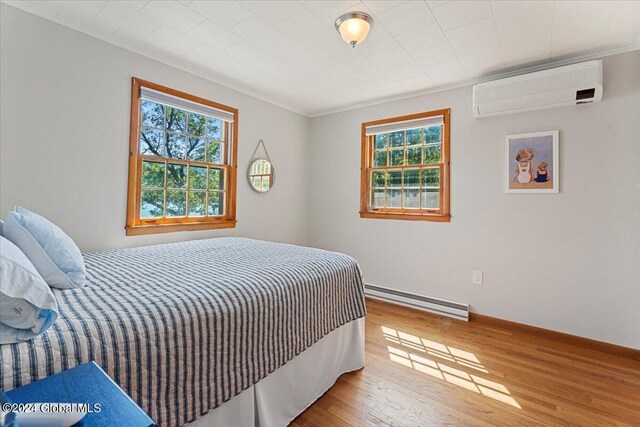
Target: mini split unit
{"x":558,"y":87}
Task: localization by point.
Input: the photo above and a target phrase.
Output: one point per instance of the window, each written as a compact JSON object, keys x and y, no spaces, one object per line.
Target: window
{"x":405,"y":167}
{"x":182,"y":162}
{"x":261,"y":175}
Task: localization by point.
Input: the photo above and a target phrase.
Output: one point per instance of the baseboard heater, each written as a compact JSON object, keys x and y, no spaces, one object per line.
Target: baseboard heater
{"x":421,"y":302}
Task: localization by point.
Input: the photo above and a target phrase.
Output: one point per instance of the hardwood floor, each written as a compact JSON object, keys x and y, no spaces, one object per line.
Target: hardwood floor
{"x":427,"y":370}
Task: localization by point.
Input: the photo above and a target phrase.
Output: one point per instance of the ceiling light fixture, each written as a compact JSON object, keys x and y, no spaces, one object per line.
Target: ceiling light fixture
{"x":354,"y":27}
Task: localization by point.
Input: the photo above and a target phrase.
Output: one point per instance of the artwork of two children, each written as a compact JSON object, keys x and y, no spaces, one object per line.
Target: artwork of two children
{"x":531,"y":162}
{"x":523,"y":175}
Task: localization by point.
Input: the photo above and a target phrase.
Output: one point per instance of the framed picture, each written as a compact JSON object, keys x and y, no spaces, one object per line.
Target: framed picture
{"x":532,"y":163}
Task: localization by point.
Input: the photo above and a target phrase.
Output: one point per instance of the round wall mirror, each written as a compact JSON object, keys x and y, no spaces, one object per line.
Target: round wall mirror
{"x":261,"y":175}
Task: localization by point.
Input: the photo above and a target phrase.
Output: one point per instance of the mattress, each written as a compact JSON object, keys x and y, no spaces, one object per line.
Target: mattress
{"x":184,"y":327}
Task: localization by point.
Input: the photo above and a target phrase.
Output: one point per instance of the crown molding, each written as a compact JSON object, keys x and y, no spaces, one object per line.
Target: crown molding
{"x":470,"y":82}
{"x":239,"y":87}
{"x":218,"y":79}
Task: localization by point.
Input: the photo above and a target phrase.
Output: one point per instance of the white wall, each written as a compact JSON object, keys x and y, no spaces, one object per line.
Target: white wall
{"x":64,"y":137}
{"x":568,"y":262}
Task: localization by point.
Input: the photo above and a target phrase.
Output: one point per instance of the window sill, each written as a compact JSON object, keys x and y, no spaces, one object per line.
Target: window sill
{"x":137,"y":230}
{"x":407,"y":217}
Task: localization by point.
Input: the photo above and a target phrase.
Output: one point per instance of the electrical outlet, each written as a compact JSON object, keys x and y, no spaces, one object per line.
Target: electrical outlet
{"x":476,"y":277}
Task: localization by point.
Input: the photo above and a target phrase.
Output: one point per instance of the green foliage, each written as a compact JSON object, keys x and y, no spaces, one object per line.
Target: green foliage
{"x":195,"y":149}
{"x":430,"y":177}
{"x":378,"y":178}
{"x":176,"y":176}
{"x":397,"y":157}
{"x":414,"y":136}
{"x":214,"y":128}
{"x":216,"y":179}
{"x":416,"y":150}
{"x":197,"y":125}
{"x":197,"y":203}
{"x":394,"y":178}
{"x":175,"y":145}
{"x":216,"y":203}
{"x":197,"y":178}
{"x":152,"y":202}
{"x":433,"y":134}
{"x":152,"y":115}
{"x":407,"y":188}
{"x":152,"y":142}
{"x":172,"y":133}
{"x":380,"y":158}
{"x":152,"y":174}
{"x":412,"y":177}
{"x":381,"y":141}
{"x":214,"y":152}
{"x":397,"y":139}
{"x":176,"y":203}
{"x":176,"y":120}
{"x":414,"y":156}
{"x":432,"y":154}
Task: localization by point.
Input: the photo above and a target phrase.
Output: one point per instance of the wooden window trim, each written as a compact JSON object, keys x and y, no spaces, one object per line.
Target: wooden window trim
{"x":136,"y":226}
{"x":443,"y":214}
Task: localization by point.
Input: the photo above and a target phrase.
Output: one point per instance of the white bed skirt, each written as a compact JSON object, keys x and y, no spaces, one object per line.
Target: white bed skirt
{"x":285,"y":393}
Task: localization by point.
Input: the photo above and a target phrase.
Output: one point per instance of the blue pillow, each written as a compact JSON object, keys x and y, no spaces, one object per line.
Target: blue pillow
{"x":27,"y":305}
{"x":53,"y":253}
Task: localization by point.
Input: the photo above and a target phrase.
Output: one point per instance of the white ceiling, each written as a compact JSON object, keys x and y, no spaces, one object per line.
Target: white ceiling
{"x":289,"y":53}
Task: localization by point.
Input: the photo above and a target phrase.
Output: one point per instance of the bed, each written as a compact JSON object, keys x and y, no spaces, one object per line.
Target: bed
{"x":197,"y":327}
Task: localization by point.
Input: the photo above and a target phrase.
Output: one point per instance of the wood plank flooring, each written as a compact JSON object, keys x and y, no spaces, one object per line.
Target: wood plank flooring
{"x":427,"y":370}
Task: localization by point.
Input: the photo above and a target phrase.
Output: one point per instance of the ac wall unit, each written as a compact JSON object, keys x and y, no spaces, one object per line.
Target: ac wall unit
{"x":558,"y":87}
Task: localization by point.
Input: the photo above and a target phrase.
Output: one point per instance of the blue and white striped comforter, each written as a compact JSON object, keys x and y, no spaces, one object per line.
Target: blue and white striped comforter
{"x":184,"y":327}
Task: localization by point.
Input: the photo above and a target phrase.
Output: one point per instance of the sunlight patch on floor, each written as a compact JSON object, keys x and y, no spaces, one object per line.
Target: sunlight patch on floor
{"x":466,"y":376}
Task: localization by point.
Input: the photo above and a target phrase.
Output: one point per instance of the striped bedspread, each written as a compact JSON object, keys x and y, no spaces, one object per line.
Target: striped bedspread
{"x":184,"y":327}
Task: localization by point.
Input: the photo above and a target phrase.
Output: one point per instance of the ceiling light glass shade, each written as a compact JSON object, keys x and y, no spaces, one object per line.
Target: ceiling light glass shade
{"x":354,"y":27}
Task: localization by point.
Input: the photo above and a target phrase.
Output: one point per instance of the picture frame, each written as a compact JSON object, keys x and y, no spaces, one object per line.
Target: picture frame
{"x":532,"y":163}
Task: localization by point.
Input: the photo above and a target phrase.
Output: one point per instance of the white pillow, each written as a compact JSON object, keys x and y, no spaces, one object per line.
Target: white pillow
{"x":53,"y":253}
{"x":27,"y":305}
